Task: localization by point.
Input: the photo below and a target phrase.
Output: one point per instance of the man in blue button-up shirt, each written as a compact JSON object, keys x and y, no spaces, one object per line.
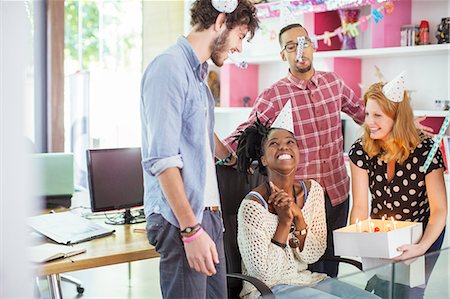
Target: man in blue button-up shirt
{"x":181,"y":197}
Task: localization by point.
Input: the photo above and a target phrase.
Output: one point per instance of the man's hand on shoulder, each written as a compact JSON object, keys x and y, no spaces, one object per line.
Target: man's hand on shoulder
{"x":427,"y":130}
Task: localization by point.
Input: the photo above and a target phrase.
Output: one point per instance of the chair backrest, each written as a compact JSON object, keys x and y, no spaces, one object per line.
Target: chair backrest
{"x":233,"y":186}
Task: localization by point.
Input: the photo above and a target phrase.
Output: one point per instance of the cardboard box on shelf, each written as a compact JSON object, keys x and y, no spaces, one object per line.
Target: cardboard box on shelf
{"x":356,"y":240}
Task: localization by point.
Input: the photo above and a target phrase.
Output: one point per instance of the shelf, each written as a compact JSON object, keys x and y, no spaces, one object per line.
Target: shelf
{"x":442,"y":49}
{"x":429,"y":113}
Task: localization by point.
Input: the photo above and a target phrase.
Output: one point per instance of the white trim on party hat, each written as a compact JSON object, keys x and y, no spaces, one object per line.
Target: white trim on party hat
{"x":284,"y":119}
{"x":226,"y":6}
{"x":395,"y":89}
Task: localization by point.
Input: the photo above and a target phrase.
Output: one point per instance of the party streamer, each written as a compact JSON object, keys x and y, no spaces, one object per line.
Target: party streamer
{"x":437,"y":142}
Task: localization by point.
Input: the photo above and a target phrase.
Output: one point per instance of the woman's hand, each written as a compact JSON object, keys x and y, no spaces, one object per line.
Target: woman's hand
{"x":281,"y":202}
{"x":409,"y":251}
{"x":296,"y":211}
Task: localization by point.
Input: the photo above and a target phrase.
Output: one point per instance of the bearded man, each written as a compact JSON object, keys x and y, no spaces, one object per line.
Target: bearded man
{"x":181,"y":197}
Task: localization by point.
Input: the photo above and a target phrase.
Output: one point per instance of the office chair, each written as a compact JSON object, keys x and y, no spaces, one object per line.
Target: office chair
{"x":78,"y":284}
{"x":73,"y":280}
{"x":233,"y":186}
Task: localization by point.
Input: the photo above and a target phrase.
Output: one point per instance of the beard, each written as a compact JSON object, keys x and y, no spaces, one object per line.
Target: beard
{"x":218,"y":46}
{"x":305,"y":69}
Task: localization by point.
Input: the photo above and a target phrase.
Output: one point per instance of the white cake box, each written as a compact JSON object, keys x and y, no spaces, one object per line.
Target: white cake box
{"x":410,"y":272}
{"x":349,"y":241}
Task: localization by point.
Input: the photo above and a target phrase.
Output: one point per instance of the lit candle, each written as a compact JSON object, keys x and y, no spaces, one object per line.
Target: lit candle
{"x":383,"y":228}
{"x":388,"y":227}
{"x":372,"y":225}
{"x":394,"y":223}
{"x":358,"y":225}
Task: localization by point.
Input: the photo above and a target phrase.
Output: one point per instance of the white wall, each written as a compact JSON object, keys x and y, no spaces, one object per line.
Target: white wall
{"x":15,"y":41}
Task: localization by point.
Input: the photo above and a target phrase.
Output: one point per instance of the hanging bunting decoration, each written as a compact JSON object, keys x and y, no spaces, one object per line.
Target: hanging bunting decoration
{"x":273,"y":35}
{"x":272,"y":9}
{"x":286,"y":14}
{"x":338,"y":32}
{"x":288,"y":10}
{"x":377,"y":16}
{"x":327,"y":38}
{"x":352,"y":30}
{"x":388,"y":7}
{"x":363,"y":23}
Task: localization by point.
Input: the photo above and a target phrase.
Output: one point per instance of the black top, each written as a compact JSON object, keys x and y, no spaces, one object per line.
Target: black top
{"x":405,"y":196}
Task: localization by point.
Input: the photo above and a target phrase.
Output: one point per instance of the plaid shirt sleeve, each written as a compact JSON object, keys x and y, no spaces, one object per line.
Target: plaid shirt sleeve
{"x":352,"y":105}
{"x":262,"y":107}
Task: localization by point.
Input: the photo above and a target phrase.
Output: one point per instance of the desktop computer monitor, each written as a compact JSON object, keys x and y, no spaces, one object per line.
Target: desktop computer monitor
{"x":116,"y":182}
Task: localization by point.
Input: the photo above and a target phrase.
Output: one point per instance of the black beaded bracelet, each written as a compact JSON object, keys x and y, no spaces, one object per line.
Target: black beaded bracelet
{"x":278,"y":243}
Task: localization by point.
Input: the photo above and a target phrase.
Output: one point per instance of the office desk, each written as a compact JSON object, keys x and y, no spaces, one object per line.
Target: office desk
{"x":123,"y":246}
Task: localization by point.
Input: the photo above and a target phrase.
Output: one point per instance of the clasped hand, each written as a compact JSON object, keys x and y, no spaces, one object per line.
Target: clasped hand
{"x":283,"y":204}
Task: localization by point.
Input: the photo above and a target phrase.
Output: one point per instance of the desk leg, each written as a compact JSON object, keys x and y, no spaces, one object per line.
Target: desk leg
{"x":54,"y":286}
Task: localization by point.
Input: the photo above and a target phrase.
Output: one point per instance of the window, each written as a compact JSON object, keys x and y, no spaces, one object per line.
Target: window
{"x":102,"y":60}
{"x":102,"y":63}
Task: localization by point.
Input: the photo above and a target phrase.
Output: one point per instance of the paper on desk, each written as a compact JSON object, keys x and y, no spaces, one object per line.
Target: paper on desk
{"x":49,"y":252}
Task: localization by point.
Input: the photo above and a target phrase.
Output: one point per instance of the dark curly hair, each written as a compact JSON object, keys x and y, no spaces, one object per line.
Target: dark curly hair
{"x":251,"y":145}
{"x":203,"y":14}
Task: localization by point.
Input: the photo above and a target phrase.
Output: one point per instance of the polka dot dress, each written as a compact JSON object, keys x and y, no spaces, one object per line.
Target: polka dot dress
{"x":405,"y":196}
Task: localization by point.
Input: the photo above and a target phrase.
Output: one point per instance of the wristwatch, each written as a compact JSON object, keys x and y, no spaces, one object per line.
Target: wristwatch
{"x":190,"y":229}
{"x":301,"y":232}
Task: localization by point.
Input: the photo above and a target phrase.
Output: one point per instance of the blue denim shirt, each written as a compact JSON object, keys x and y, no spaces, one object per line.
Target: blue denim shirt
{"x":174,"y":102}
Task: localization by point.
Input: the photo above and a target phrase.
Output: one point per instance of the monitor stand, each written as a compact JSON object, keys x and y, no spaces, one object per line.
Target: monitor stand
{"x":127,"y":218}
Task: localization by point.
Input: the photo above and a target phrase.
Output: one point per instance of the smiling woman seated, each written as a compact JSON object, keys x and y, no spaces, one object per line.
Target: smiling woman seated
{"x":281,"y":223}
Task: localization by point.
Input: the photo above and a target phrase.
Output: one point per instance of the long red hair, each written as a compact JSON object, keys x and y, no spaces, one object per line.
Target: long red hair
{"x":404,"y":136}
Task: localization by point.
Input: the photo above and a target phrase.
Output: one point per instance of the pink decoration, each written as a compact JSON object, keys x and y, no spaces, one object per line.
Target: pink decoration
{"x":363,"y":23}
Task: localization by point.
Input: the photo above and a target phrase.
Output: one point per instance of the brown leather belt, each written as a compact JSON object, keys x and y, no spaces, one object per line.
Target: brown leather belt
{"x":213,"y":209}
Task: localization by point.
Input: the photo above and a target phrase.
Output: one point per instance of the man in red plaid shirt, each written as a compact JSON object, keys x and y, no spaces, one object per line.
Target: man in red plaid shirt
{"x":317,"y":101}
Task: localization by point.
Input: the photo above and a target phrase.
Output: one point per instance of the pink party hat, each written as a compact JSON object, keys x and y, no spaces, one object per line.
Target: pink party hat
{"x":395,"y":89}
{"x":284,"y":119}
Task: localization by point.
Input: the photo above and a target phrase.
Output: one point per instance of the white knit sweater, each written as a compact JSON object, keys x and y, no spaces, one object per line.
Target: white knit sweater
{"x":270,"y":263}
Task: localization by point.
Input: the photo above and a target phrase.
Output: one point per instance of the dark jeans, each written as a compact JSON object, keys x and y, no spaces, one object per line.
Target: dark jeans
{"x":383,"y":288}
{"x":336,"y":218}
{"x":177,"y":279}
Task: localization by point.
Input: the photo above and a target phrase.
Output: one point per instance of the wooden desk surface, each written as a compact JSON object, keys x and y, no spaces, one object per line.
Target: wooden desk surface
{"x":123,"y":246}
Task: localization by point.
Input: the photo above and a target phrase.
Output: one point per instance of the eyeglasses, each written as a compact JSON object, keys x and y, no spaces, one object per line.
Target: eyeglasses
{"x":292,"y":47}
